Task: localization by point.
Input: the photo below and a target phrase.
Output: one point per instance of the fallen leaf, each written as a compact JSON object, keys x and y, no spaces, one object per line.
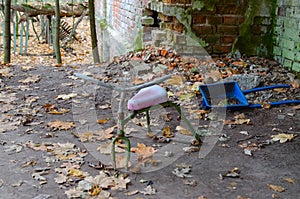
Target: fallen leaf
{"x":131,"y":193}
{"x":17,"y":184}
{"x":60,"y":179}
{"x":166,"y":132}
{"x":234,"y":173}
{"x":276,"y":188}
{"x":106,"y":134}
{"x":182,"y":172}
{"x":85,"y":137}
{"x":149,"y":190}
{"x":189,"y":182}
{"x":31,"y":79}
{"x":6,"y":72}
{"x":175,"y":80}
{"x":103,"y":121}
{"x":39,"y":177}
{"x":15,"y":147}
{"x":75,"y":173}
{"x":59,"y":111}
{"x":183,"y":131}
{"x":66,"y":96}
{"x":283,"y":137}
{"x":95,"y":190}
{"x":73,"y":193}
{"x":59,"y":125}
{"x":29,"y":163}
{"x":237,"y":122}
{"x":144,"y":152}
{"x":105,"y":106}
{"x":290,"y":180}
{"x":187,"y":97}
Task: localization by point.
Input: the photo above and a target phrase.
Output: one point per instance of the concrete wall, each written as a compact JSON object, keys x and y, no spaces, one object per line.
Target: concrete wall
{"x":287,"y":34}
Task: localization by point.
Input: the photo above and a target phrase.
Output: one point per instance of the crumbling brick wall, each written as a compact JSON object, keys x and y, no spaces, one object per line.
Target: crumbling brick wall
{"x":218,"y":26}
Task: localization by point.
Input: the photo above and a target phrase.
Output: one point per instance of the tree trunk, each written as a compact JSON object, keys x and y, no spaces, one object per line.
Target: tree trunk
{"x":7,"y":32}
{"x":56,"y":44}
{"x":66,"y":10}
{"x":95,"y":50}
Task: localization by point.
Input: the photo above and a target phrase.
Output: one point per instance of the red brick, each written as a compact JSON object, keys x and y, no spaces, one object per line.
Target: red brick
{"x":184,"y":1}
{"x":214,"y":20}
{"x":228,"y":30}
{"x":202,"y":29}
{"x":228,"y":39}
{"x":214,"y":38}
{"x":227,"y":9}
{"x":221,"y":49}
{"x":231,"y":19}
{"x":199,"y":19}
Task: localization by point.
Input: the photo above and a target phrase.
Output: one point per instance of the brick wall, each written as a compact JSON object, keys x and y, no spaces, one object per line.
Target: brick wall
{"x":287,"y":34}
{"x":254,"y":27}
{"x":119,"y":26}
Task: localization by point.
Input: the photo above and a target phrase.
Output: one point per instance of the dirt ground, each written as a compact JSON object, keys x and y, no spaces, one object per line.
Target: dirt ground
{"x":272,"y":171}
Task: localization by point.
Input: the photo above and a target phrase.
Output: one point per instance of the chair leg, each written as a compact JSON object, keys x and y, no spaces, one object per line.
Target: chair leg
{"x":197,"y":136}
{"x":113,"y":150}
{"x":148,"y":121}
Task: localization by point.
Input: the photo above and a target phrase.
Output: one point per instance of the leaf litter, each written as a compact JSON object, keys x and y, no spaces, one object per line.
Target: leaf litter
{"x":226,"y":68}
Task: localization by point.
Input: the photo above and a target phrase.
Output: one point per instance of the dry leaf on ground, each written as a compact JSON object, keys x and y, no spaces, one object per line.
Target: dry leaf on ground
{"x":31,"y":79}
{"x":66,"y":96}
{"x":276,"y":188}
{"x":183,"y":131}
{"x":290,"y":180}
{"x":282,"y":137}
{"x":144,"y":152}
{"x":175,"y":80}
{"x":59,"y":125}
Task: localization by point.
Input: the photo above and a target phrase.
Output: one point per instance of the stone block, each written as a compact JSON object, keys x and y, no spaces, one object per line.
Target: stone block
{"x":286,"y":53}
{"x":159,"y":35}
{"x":297,"y":46}
{"x":277,"y":51}
{"x":287,"y":63}
{"x":291,"y":33}
{"x":296,"y":66}
{"x":287,"y":43}
{"x":180,"y":39}
{"x":291,"y":22}
{"x":297,"y":56}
